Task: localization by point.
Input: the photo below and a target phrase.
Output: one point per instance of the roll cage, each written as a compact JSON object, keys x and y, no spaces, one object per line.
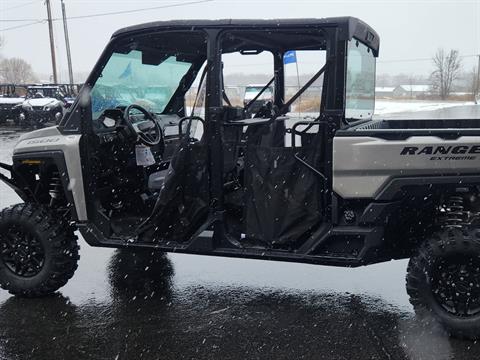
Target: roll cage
{"x":211,"y":39}
{"x":337,"y":33}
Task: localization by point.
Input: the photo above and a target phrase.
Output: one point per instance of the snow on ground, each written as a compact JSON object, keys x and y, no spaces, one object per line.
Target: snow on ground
{"x":397,"y":106}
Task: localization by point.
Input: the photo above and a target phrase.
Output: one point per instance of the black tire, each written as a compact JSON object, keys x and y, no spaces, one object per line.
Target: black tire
{"x":38,"y":251}
{"x":443,"y":281}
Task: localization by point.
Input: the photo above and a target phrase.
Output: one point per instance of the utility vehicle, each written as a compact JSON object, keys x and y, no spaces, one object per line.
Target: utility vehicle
{"x":10,"y":99}
{"x":253,"y":99}
{"x":43,"y":106}
{"x":337,"y":189}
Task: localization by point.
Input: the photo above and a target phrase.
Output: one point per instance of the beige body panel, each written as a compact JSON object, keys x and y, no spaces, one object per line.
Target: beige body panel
{"x":363,"y":165}
{"x":50,"y":139}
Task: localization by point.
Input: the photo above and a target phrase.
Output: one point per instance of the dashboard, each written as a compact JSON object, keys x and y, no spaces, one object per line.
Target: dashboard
{"x":114,"y":136}
{"x":111,"y":119}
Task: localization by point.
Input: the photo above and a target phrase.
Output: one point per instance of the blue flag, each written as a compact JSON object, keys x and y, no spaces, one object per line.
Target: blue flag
{"x":290,"y":57}
{"x":127,"y":72}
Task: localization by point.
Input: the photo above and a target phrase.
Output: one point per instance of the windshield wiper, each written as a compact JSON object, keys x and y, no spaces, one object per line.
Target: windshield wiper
{"x":250,"y":103}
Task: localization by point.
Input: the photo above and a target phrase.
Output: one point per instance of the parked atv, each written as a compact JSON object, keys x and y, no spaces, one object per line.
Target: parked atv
{"x":340,"y":189}
{"x":256,"y":96}
{"x":44,"y":106}
{"x":10,"y":100}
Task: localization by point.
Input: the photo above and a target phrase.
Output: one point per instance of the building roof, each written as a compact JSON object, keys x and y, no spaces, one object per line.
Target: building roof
{"x":384,"y":88}
{"x":415,"y":88}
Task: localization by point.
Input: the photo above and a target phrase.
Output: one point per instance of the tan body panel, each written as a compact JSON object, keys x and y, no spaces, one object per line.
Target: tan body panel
{"x":50,"y":139}
{"x":363,"y":165}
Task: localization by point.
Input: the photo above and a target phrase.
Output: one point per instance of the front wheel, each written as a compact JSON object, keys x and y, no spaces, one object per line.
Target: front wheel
{"x":38,"y":250}
{"x":443,"y":281}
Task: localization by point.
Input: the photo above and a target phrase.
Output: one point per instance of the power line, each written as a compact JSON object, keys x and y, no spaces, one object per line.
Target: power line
{"x":136,"y":10}
{"x":378,"y":62}
{"x":18,"y":6}
{"x":115,"y":12}
{"x":20,"y":20}
{"x":418,"y":59}
{"x":23,"y":25}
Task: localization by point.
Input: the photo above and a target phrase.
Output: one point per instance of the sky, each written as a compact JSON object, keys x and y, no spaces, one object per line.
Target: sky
{"x":410,"y":31}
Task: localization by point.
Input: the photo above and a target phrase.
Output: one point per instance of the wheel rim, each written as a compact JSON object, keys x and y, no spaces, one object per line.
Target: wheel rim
{"x":455,"y":283}
{"x":21,"y":252}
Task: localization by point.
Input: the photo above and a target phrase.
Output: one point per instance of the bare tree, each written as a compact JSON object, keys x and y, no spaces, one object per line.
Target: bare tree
{"x":447,"y":69}
{"x":16,"y":71}
{"x":475,"y":83}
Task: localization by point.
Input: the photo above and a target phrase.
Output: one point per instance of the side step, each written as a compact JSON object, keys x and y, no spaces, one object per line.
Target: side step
{"x":317,"y":248}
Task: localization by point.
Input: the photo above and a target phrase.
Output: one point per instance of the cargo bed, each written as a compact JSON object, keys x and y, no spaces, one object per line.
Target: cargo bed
{"x":400,"y":128}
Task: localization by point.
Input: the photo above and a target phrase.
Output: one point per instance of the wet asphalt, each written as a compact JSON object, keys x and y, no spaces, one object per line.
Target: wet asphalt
{"x":122,"y":305}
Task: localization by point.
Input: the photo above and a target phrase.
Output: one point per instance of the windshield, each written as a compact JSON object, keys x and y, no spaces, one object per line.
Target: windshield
{"x":360,"y":87}
{"x":127,"y":80}
{"x":43,"y":92}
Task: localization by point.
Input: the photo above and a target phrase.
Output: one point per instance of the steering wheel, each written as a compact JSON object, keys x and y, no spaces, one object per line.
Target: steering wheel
{"x":144,"y":129}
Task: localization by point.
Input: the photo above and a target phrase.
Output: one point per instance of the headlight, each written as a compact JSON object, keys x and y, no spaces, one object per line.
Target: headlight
{"x":47,"y":108}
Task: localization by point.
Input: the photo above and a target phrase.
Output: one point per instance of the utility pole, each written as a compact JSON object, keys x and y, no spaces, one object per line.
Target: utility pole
{"x":67,"y":44}
{"x":52,"y":44}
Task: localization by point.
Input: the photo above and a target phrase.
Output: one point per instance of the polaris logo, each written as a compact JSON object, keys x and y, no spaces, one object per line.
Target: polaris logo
{"x":441,"y":150}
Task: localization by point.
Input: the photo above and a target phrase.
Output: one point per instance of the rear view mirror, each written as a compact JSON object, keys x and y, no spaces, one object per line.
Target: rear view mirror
{"x":250,"y":52}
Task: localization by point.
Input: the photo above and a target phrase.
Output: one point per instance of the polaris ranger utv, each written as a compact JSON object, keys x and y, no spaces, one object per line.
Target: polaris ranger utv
{"x":10,"y":102}
{"x":339,"y":189}
{"x":43,"y":106}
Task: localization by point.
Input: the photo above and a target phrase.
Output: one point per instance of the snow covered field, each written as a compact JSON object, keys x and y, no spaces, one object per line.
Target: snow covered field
{"x":383,"y":107}
{"x":395,"y":106}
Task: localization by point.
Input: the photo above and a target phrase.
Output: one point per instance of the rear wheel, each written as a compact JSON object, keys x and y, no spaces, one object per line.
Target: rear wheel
{"x":443,"y":280}
{"x":38,"y":251}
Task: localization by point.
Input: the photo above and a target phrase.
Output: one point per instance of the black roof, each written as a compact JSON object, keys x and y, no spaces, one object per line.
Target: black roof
{"x":351,"y":26}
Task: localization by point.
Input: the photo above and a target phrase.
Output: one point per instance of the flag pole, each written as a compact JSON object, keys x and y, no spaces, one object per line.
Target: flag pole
{"x":298,"y":83}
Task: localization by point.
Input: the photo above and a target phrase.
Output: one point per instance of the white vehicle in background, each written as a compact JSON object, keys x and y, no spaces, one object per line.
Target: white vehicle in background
{"x":9,"y":102}
{"x":44,"y":106}
{"x":255,"y":96}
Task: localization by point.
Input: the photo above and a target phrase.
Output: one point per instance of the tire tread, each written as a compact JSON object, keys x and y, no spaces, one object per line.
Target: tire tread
{"x":64,"y":246}
{"x":439,"y":244}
